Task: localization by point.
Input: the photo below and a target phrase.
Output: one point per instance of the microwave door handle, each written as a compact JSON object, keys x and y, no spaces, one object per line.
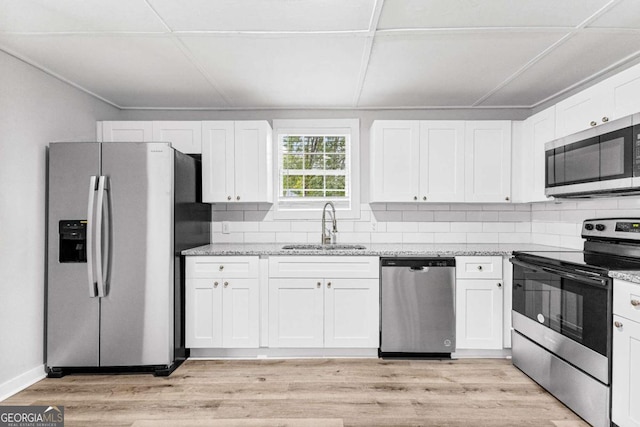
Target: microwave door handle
{"x":91,"y":273}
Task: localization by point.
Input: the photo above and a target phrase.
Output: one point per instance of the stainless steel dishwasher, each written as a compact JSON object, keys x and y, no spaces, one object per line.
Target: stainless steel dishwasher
{"x":417,"y":306}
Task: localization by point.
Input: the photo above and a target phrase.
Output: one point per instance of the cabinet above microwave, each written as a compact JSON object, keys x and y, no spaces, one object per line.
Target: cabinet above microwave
{"x":597,"y":162}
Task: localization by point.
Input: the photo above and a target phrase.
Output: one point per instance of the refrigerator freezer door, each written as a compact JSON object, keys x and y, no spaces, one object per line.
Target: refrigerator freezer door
{"x":72,"y":314}
{"x":137,"y":311}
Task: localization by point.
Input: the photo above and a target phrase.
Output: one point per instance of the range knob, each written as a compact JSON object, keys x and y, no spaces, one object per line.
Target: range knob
{"x":588,"y":227}
{"x":600,"y":227}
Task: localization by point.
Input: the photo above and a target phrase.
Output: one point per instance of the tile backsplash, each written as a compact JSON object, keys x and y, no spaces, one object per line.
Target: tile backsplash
{"x":554,"y":223}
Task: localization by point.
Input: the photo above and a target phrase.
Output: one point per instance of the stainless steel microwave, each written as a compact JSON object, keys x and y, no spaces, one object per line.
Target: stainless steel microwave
{"x":601,"y":161}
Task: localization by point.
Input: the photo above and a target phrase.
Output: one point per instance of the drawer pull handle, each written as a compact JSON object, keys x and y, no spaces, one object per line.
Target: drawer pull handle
{"x":221,"y":268}
{"x":617,"y":324}
{"x":635,"y":302}
{"x":479,"y":268}
{"x":215,"y":284}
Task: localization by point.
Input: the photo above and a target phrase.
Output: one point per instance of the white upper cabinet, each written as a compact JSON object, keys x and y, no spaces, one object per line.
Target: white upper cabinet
{"x":537,"y":130}
{"x":395,"y":160}
{"x":488,"y":161}
{"x":126,"y":131}
{"x":611,"y":99}
{"x":442,"y":161}
{"x":184,"y":136}
{"x":236,"y":162}
{"x":417,"y":161}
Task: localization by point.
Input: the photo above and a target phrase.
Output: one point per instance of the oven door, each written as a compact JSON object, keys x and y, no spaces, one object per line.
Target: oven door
{"x":566,"y":312}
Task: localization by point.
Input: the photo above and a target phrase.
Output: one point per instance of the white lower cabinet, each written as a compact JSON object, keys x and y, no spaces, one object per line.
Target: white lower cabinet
{"x":330,"y":302}
{"x":625,"y":379}
{"x":222,"y":302}
{"x":479,"y":303}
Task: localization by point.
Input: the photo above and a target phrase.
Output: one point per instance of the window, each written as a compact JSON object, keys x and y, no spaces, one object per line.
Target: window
{"x":316,"y":162}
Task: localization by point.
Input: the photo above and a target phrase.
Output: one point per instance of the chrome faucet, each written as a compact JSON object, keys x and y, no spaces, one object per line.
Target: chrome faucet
{"x":331,"y":236}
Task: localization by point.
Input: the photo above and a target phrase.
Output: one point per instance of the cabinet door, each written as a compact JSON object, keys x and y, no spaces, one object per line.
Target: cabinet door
{"x":625,"y":92}
{"x":217,"y":161}
{"x":441,"y":161}
{"x":541,"y":128}
{"x":252,"y":153}
{"x":395,"y":161}
{"x":583,"y":110}
{"x":296,"y":313}
{"x":240,"y":311}
{"x":625,"y":380}
{"x":478,"y":314}
{"x":488,"y":161}
{"x":127,"y":131}
{"x":184,"y":136}
{"x":203,"y":309}
{"x":351,"y":313}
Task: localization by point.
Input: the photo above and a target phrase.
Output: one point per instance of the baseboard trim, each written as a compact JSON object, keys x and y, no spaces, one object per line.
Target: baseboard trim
{"x":19,"y":383}
{"x":281,"y":353}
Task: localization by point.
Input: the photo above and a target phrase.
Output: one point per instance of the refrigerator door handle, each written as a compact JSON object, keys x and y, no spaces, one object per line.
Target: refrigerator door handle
{"x":91,"y":271}
{"x":101,"y":267}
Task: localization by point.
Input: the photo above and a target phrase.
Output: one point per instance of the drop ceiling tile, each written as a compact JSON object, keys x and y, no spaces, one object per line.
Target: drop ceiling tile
{"x":140,"y":71}
{"x":485,"y":13}
{"x":579,"y":58}
{"x":625,"y":14}
{"x":436,"y":70}
{"x":265,"y":15}
{"x":77,"y":15}
{"x":282,"y":71}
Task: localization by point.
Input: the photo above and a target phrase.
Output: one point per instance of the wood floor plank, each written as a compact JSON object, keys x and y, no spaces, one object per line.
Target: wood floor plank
{"x":308,"y":392}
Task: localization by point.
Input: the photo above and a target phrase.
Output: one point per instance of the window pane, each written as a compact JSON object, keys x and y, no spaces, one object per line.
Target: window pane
{"x":335,"y":182}
{"x":292,"y":161}
{"x":314,"y":161}
{"x":292,"y":193}
{"x":313,"y":144}
{"x":314,"y":193}
{"x":314,"y":182}
{"x":292,"y":182}
{"x":335,"y":144}
{"x":335,"y":193}
{"x":335,"y":161}
{"x":292,"y":144}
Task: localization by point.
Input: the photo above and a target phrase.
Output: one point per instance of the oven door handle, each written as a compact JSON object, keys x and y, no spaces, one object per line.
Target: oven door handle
{"x":582,"y":278}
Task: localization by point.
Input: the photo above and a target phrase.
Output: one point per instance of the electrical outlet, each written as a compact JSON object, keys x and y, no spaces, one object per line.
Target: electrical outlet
{"x":226,"y":227}
{"x":374,"y":226}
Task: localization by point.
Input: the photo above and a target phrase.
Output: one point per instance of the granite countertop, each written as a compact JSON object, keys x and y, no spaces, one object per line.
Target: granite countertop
{"x":629,"y":276}
{"x":431,"y":249}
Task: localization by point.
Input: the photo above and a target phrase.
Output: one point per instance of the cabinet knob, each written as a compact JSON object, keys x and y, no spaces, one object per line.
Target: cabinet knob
{"x":415,"y":197}
{"x":593,"y":123}
{"x":605,"y":119}
{"x":226,"y":284}
{"x":319,"y":284}
{"x":215,"y":284}
{"x":499,"y":285}
{"x":424,"y":198}
{"x":635,"y":302}
{"x":329,"y":285}
{"x":617,"y":324}
{"x":221,"y":268}
{"x":237,"y":197}
{"x":507,"y":198}
{"x":479,"y":268}
{"x":228,"y":197}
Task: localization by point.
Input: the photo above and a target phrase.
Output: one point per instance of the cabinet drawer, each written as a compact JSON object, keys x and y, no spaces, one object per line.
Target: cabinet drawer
{"x":479,"y":267}
{"x":626,"y":299}
{"x":324,"y":266}
{"x":203,"y":267}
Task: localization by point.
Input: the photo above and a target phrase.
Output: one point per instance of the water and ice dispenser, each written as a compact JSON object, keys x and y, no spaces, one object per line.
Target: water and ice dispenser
{"x":73,"y":240}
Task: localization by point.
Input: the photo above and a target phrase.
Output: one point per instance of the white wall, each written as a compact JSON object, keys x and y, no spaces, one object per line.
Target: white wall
{"x":35,"y":109}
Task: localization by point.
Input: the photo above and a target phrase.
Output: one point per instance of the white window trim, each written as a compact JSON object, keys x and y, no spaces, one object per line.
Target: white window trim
{"x":312,"y":210}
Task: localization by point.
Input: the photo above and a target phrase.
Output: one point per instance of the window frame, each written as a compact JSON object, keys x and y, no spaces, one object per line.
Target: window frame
{"x":311,"y":209}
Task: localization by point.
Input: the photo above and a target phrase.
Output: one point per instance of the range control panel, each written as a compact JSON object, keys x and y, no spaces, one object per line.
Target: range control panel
{"x":617,"y":228}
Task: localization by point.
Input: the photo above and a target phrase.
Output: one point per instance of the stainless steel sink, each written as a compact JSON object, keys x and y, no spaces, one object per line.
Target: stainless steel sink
{"x":312,"y":247}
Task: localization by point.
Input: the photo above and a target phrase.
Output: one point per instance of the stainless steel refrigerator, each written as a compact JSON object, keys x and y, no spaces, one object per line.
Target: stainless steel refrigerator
{"x":118,"y":216}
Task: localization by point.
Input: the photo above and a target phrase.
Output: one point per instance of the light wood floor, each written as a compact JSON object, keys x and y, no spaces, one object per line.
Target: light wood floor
{"x":307,"y":392}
